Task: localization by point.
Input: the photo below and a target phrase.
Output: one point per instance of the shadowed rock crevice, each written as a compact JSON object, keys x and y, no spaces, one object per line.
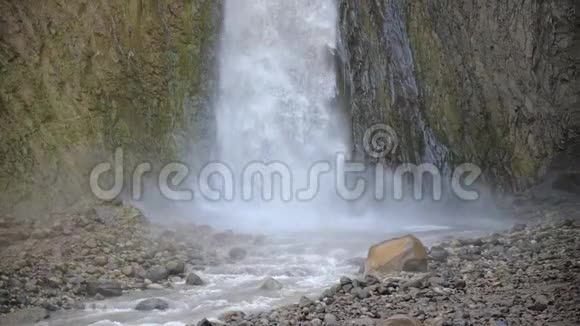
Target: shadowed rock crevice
{"x":492,"y":84}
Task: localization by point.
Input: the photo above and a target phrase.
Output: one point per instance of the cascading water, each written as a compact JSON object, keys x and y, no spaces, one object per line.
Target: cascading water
{"x":276,"y":99}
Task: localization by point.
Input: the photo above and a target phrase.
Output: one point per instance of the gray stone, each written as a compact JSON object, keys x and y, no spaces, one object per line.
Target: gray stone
{"x":316,"y":322}
{"x":362,"y":293}
{"x":105,"y":288}
{"x":193,"y":279}
{"x":157,"y":273}
{"x":330,"y":320}
{"x":345,"y":280}
{"x":175,"y":267}
{"x":270,"y":284}
{"x":152,"y":304}
{"x":91,"y":243}
{"x":438,"y":254}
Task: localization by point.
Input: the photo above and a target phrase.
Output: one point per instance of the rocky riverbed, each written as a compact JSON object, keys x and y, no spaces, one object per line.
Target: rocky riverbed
{"x":103,"y":252}
{"x":529,"y":275}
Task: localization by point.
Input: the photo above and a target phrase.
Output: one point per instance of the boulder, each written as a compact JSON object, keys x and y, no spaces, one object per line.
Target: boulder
{"x":157,"y":273}
{"x":175,"y":267}
{"x":438,"y":253}
{"x":232,"y":316}
{"x":271,"y":284}
{"x":345,"y":280}
{"x":152,"y":304}
{"x":193,"y":279}
{"x":207,"y":322}
{"x":406,"y":253}
{"x":105,"y":288}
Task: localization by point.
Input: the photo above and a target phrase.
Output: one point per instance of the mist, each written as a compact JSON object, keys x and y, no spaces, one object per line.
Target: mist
{"x":277,"y":103}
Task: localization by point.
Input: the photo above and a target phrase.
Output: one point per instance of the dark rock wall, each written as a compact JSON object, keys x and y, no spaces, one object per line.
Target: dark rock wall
{"x":80,"y":78}
{"x":492,"y":83}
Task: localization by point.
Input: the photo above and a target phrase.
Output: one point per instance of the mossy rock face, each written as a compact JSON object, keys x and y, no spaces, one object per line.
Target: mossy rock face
{"x":497,"y":84}
{"x":81,"y":78}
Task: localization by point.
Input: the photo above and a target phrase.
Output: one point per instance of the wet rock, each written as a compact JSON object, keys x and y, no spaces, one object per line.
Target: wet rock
{"x":154,"y":286}
{"x":193,"y":280}
{"x":204,"y":322}
{"x":105,"y":288}
{"x":371,"y":280}
{"x":538,"y":306}
{"x":438,"y":253}
{"x":316,"y":322}
{"x":460,"y":284}
{"x":101,"y":260}
{"x":175,"y":267}
{"x":416,"y":282}
{"x":270,"y":284}
{"x":347,"y":288}
{"x":362,"y":293}
{"x":345,"y":280}
{"x":152,"y":304}
{"x":232,"y":316}
{"x":157,"y":273}
{"x":400,"y":254}
{"x":470,"y":242}
{"x":207,"y":322}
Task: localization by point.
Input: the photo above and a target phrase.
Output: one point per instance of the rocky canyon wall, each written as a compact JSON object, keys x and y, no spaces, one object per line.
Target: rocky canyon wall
{"x":80,"y":78}
{"x":492,"y":83}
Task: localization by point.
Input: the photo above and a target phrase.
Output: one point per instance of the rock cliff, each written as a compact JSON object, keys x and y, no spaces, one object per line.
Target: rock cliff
{"x":81,"y":78}
{"x":492,"y":83}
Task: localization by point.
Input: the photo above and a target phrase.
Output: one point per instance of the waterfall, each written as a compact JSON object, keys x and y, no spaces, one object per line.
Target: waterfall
{"x":277,"y":94}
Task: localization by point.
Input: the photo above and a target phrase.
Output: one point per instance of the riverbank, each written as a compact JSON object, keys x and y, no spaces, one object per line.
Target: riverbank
{"x":104,"y":252}
{"x":98,"y":266}
{"x":529,"y":275}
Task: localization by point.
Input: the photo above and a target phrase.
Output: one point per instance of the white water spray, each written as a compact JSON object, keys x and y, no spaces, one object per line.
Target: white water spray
{"x":276,"y":98}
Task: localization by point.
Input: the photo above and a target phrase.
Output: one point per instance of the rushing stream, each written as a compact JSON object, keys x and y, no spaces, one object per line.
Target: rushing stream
{"x":304,"y":263}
